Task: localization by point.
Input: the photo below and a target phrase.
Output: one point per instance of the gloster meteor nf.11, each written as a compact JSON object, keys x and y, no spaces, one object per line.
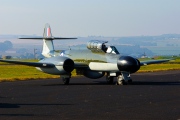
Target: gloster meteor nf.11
{"x":94,"y":62}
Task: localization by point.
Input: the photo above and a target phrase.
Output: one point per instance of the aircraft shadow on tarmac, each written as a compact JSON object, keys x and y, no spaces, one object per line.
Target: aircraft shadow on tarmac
{"x":8,"y":105}
{"x":94,"y":83}
{"x":105,"y":83}
{"x":155,"y":83}
{"x":5,"y":115}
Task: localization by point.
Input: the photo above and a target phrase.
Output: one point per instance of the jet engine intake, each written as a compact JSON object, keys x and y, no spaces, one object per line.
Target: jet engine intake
{"x":68,"y":65}
{"x":128,"y":64}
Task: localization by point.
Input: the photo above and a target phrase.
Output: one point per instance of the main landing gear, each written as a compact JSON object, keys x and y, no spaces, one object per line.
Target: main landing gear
{"x":109,"y":79}
{"x":122,"y":79}
{"x":66,"y":79}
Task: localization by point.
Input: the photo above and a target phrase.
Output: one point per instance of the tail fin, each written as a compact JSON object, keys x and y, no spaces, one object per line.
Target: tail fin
{"x":48,"y":47}
{"x":47,"y":31}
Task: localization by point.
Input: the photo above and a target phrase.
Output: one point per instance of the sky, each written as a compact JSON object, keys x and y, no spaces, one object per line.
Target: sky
{"x":73,"y":18}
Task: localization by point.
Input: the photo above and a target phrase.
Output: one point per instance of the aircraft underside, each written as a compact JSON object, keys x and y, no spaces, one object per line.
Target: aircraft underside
{"x":122,"y":78}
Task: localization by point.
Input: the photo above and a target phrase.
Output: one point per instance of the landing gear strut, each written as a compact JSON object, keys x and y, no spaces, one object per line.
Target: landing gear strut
{"x":66,"y":79}
{"x":110,"y":79}
{"x":124,"y":78}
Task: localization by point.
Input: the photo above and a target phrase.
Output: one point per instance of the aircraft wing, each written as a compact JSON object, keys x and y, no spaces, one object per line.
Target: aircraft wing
{"x":93,"y":65}
{"x":98,"y":66}
{"x":40,"y":64}
{"x":34,"y":64}
{"x":148,"y":62}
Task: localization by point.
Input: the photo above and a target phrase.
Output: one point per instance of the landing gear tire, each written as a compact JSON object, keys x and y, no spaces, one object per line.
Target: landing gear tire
{"x":121,"y":82}
{"x":66,"y":81}
{"x":109,"y":79}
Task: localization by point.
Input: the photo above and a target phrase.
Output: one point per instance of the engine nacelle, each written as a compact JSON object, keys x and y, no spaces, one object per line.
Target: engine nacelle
{"x":93,"y":74}
{"x":129,"y":64}
{"x":63,"y":65}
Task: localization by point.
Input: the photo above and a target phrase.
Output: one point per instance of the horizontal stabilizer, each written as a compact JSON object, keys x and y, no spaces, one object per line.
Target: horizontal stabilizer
{"x":47,"y":35}
{"x":47,"y":38}
{"x":51,"y":38}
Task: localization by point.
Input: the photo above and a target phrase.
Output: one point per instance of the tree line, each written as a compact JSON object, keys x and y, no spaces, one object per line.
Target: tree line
{"x":5,"y":45}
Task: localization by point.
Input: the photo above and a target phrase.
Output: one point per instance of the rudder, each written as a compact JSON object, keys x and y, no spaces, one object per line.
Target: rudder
{"x":47,"y":31}
{"x":48,"y":46}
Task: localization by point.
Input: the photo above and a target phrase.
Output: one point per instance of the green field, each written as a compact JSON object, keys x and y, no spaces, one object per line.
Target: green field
{"x":9,"y":72}
{"x":171,"y":65}
{"x":20,"y":72}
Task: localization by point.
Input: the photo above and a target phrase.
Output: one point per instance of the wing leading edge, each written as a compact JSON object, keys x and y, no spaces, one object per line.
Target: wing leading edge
{"x":148,"y":62}
{"x":34,"y":64}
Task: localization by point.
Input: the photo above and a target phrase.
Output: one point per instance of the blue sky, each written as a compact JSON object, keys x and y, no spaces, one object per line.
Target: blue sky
{"x":90,"y":17}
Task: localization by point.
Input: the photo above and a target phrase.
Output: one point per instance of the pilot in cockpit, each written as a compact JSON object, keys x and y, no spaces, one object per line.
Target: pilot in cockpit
{"x":104,"y":48}
{"x":112,"y":49}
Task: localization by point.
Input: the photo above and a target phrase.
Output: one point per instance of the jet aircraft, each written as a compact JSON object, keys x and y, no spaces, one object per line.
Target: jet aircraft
{"x":96,"y":61}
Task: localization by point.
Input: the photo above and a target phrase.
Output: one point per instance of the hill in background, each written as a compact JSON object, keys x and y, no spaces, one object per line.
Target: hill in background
{"x":168,"y":44}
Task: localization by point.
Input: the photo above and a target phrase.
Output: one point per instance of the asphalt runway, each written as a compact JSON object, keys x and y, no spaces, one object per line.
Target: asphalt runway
{"x":150,"y":96}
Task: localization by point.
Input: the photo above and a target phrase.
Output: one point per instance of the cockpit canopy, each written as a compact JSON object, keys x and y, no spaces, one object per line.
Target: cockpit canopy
{"x":99,"y":46}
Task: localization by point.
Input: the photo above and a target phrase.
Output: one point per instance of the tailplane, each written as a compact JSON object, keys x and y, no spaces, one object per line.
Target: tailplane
{"x":48,"y":47}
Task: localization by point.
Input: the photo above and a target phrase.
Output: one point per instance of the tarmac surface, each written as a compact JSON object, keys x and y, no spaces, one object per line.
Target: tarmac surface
{"x":153,"y":95}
